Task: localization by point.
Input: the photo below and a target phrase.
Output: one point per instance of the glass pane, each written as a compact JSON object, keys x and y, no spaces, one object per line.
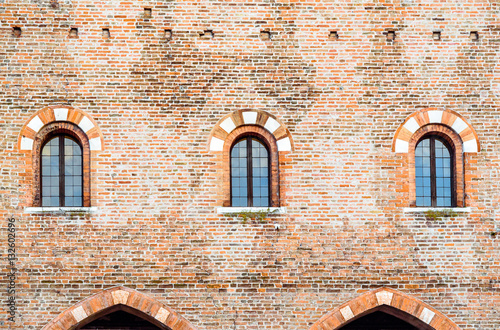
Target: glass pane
{"x":54,"y":201}
{"x":54,"y":191}
{"x":50,"y":173}
{"x":46,"y":169}
{"x":443,"y":174}
{"x":262,"y":202}
{"x":242,"y":151}
{"x":260,"y":171}
{"x":239,"y":202}
{"x":423,"y":173}
{"x":239,"y":174}
{"x":72,"y":172}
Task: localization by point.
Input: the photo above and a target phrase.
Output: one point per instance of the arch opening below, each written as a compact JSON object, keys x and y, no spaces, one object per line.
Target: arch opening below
{"x":120,"y":317}
{"x":385,"y":318}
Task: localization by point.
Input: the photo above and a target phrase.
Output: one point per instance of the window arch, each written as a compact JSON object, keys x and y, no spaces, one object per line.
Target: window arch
{"x":251,"y":172}
{"x":61,"y":163}
{"x":250,"y":185}
{"x":436,"y":167}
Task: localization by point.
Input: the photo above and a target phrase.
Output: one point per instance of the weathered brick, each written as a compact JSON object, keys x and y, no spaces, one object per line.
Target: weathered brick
{"x":340,"y":79}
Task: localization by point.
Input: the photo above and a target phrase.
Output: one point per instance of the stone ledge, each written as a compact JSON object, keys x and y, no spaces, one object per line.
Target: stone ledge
{"x":60,"y":210}
{"x":425,"y":209}
{"x":233,"y":210}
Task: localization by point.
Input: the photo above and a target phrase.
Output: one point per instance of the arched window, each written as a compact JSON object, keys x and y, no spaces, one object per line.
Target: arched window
{"x":436,"y":161}
{"x":250,"y":172}
{"x":61,"y":166}
{"x":251,"y":168}
{"x":62,"y":172}
{"x":434,"y":173}
{"x":437,"y":143}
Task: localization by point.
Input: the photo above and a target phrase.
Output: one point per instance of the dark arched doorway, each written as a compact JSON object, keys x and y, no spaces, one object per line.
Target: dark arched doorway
{"x":121,"y":317}
{"x":386,"y":318}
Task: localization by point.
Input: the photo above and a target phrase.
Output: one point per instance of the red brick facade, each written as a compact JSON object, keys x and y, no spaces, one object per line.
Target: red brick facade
{"x":157,"y":92}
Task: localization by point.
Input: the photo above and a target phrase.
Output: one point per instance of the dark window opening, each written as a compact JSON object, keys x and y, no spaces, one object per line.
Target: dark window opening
{"x":17,"y":32}
{"x":250,"y":175}
{"x":120,"y":320}
{"x":379,"y":321}
{"x":62,"y":172}
{"x":434,"y":174}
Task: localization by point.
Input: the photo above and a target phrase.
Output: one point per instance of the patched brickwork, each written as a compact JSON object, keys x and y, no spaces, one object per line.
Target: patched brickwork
{"x":160,"y":89}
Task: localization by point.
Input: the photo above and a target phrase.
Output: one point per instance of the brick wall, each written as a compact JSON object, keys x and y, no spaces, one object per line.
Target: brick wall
{"x":156,"y":99}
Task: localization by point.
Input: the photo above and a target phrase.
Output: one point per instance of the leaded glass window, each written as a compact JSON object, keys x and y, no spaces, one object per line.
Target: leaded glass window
{"x":62,"y":174}
{"x":434,"y":173}
{"x":250,"y":173}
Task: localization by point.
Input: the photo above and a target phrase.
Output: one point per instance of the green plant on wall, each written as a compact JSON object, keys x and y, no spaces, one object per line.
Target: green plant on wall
{"x":440,"y":213}
{"x":249,"y":215}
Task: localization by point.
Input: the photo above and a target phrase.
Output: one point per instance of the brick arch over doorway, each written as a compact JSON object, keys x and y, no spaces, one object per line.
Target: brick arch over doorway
{"x":107,"y":300}
{"x":374,"y":300}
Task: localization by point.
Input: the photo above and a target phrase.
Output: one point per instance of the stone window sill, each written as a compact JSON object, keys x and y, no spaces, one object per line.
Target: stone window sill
{"x":60,"y":210}
{"x":426,"y":209}
{"x":235,"y":210}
